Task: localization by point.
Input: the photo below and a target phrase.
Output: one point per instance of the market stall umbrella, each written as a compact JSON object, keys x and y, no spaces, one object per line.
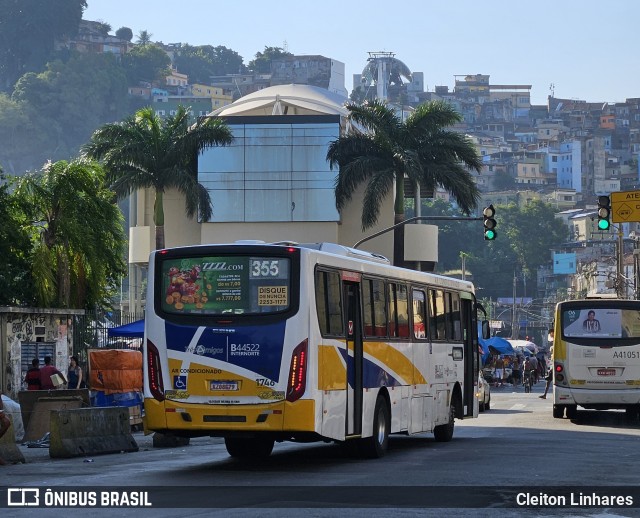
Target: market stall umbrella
{"x":494,"y":345}
{"x":132,"y":330}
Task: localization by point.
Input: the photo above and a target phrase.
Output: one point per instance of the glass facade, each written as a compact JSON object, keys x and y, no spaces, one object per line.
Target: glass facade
{"x":275,"y":170}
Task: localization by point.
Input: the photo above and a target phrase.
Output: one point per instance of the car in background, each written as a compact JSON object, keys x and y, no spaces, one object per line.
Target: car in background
{"x":484,"y":394}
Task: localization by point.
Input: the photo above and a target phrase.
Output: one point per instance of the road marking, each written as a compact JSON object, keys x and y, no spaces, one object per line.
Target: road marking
{"x":517,"y":406}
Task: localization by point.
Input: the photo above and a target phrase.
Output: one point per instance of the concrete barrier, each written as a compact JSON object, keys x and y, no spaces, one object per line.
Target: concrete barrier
{"x":9,"y":451}
{"x":90,"y":431}
{"x":40,"y":416}
{"x":29,"y":398}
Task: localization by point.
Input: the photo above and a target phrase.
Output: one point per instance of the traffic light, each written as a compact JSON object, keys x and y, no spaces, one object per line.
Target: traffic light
{"x":489,"y":223}
{"x":604,"y":211}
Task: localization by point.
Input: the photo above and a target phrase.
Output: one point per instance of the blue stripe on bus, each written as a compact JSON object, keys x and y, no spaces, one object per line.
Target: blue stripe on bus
{"x":372,"y":374}
{"x":255,"y":348}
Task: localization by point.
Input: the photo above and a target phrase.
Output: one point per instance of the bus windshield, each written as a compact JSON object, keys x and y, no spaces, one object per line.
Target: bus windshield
{"x":214,"y":285}
{"x":599,"y":322}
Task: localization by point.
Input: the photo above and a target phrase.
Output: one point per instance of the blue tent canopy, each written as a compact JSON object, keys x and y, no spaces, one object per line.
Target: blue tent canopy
{"x":495,"y":344}
{"x":132,"y":330}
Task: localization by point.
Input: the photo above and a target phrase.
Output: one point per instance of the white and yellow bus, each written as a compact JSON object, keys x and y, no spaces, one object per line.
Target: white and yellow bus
{"x":260,"y":343}
{"x":596,"y":356}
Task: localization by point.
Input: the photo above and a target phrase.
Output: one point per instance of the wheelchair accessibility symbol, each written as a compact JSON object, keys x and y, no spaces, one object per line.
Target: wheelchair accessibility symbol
{"x":180,"y":382}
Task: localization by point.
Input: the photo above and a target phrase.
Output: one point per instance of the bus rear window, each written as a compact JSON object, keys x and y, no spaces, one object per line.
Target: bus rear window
{"x":601,"y":323}
{"x":220,"y":285}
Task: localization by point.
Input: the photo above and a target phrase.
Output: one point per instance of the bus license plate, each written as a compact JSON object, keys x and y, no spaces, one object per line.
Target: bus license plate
{"x":606,"y":372}
{"x":223,"y":385}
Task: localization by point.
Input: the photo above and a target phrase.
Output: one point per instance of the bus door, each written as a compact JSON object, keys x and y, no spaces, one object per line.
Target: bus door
{"x":353,"y":327}
{"x":471,"y":355}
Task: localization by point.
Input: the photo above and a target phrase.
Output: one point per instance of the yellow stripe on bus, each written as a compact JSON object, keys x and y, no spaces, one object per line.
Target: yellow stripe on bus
{"x":332,"y":371}
{"x":390,"y":357}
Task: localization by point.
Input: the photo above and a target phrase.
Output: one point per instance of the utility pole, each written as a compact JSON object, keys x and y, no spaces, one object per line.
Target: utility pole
{"x":620,"y":286}
{"x":463,"y":256}
{"x":514,"y":333}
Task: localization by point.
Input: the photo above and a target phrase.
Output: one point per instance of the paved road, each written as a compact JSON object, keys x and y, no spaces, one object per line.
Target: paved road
{"x":517,"y":443}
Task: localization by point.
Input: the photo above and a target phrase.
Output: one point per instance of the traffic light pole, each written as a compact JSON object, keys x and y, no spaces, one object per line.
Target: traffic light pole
{"x":620,"y":285}
{"x":416,"y":218}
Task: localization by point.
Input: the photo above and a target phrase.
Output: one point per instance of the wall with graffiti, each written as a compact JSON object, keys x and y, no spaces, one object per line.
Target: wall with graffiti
{"x":26,"y":335}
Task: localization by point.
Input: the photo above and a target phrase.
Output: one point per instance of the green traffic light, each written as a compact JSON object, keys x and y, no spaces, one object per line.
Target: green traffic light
{"x":490,"y":235}
{"x":603,"y":224}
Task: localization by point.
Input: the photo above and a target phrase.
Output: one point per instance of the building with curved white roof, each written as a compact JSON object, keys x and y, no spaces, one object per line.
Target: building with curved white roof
{"x":286,"y":100}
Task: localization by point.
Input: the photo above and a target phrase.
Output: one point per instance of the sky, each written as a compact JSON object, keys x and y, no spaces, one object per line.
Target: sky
{"x":573,"y":49}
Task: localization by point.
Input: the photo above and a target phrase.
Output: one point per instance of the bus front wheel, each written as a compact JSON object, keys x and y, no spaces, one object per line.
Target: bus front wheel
{"x":241,"y":448}
{"x":558,"y":411}
{"x":376,"y":446}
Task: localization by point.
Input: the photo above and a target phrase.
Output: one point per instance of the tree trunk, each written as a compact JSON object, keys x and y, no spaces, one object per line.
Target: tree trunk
{"x":158,"y":219}
{"x":64,"y":281}
{"x":398,"y":241}
{"x":159,"y":237}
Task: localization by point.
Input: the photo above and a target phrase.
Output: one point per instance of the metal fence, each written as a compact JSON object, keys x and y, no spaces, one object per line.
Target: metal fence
{"x":91,"y":331}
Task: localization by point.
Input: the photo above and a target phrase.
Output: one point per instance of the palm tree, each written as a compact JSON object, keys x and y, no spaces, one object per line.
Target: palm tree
{"x":390,"y":149}
{"x":147,"y":151}
{"x":144,"y":38}
{"x":78,"y":246}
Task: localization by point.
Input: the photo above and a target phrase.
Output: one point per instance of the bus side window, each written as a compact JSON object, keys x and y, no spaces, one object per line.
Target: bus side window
{"x":419,"y":314}
{"x":398,"y":311}
{"x":392,"y":311}
{"x":402,"y":304}
{"x":438,"y":327}
{"x":455,"y":317}
{"x":380,"y":309}
{"x":328,"y":303}
{"x":375,"y":316}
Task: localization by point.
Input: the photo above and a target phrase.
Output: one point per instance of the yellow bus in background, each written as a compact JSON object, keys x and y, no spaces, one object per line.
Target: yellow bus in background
{"x":596,"y":356}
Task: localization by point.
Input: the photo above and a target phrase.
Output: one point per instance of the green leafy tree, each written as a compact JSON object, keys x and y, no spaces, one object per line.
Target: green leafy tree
{"x":225,"y":61}
{"x":147,"y":151}
{"x":526,"y":236}
{"x":62,"y":106}
{"x":195,"y":62}
{"x":77,"y":253}
{"x":124,"y":33}
{"x":146,"y":62}
{"x":200,"y":63}
{"x":18,"y":133}
{"x":420,"y":148}
{"x":16,"y":285}
{"x":262,"y":62}
{"x":28,"y":31}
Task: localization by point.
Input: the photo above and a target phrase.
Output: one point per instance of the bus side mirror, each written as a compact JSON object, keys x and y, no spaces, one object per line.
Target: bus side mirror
{"x":486,"y":330}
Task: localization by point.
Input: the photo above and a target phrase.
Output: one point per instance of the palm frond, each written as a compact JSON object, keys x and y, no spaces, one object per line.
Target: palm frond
{"x":378,"y":188}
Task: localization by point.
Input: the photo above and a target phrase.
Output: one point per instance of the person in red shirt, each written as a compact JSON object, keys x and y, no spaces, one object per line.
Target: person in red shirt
{"x":32,"y":379}
{"x":46,"y":372}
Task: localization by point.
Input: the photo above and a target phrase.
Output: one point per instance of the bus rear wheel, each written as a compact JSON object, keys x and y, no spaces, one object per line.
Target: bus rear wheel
{"x":572,"y":411}
{"x":242,"y":448}
{"x":444,"y":432}
{"x":376,"y":446}
{"x":558,"y":411}
{"x":632,"y":412}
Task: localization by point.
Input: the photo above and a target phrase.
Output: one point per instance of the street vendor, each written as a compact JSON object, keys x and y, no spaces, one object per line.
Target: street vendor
{"x":499,"y":371}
